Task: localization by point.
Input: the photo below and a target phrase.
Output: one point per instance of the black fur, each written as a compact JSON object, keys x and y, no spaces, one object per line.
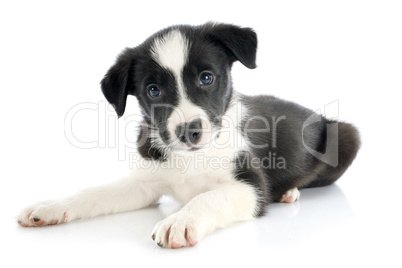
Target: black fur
{"x":288,"y":164}
{"x":118,"y":81}
{"x":147,"y":148}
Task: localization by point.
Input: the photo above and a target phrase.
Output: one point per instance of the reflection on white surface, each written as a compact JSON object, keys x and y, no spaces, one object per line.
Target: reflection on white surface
{"x":294,"y":228}
{"x":318,"y":210}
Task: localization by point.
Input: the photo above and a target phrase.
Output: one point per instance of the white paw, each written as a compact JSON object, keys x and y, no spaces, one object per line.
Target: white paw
{"x":290,"y":196}
{"x":176,"y":231}
{"x":46,"y":213}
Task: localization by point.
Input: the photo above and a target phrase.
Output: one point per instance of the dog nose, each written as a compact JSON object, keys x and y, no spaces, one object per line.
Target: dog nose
{"x":189,"y":132}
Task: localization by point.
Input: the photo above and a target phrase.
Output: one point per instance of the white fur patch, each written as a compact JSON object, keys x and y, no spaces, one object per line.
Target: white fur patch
{"x":170,"y":52}
{"x":208,"y":168}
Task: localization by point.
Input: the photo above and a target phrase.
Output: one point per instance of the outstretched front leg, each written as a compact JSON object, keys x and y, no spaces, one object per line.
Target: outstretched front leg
{"x":206,"y":212}
{"x":125,"y":195}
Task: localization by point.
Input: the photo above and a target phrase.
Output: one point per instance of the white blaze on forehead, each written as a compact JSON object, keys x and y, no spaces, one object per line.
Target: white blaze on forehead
{"x":170,"y":51}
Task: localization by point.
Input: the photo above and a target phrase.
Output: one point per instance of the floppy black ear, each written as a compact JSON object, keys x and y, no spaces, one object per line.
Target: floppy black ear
{"x":118,"y":81}
{"x":241,"y":42}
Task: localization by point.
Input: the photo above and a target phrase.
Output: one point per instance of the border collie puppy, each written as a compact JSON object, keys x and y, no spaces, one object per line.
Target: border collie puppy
{"x":242,"y":153}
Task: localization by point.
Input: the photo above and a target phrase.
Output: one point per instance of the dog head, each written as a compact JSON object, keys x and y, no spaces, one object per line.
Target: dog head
{"x":181,"y":78}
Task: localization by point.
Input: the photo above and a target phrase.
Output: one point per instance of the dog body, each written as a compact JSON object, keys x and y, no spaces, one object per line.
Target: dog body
{"x":224,"y":155}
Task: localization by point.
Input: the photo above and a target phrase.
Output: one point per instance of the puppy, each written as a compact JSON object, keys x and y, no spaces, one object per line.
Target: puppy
{"x":242,"y":152}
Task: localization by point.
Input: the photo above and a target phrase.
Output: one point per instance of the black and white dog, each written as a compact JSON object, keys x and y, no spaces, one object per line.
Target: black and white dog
{"x":243,"y":152}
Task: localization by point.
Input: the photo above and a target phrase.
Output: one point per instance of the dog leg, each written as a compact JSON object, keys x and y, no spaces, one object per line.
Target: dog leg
{"x":205,"y":213}
{"x":121,"y":196}
{"x":290,"y":196}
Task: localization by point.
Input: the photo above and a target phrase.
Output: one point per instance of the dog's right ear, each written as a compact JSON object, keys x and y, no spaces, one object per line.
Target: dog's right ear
{"x":118,"y":81}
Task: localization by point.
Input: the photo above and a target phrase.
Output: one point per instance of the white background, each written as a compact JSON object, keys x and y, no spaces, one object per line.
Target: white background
{"x":53,"y":56}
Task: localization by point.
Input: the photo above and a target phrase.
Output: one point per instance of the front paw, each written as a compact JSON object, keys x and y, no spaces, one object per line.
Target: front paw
{"x":176,"y":231}
{"x":46,"y":213}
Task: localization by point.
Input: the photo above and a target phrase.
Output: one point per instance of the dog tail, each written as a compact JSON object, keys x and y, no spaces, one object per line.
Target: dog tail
{"x":348,"y":145}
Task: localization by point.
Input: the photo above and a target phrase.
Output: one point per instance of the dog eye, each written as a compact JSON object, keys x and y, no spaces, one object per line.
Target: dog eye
{"x":154,"y":91}
{"x":206,"y":78}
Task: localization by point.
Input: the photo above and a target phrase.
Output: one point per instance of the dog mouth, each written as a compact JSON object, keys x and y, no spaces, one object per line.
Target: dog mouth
{"x":189,"y":148}
{"x":195,"y":148}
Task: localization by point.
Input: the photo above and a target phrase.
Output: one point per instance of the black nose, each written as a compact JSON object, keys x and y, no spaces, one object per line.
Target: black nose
{"x":189,"y":132}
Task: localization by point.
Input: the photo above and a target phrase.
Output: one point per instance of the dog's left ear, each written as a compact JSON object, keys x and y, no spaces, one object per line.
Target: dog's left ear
{"x":119,"y":81}
{"x":239,"y":42}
